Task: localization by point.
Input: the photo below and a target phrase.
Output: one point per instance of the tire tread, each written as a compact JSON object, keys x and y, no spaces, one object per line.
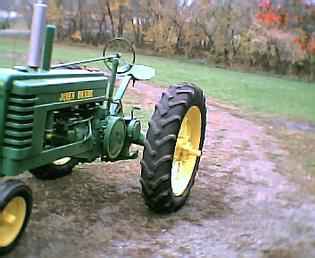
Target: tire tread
{"x":160,"y":144}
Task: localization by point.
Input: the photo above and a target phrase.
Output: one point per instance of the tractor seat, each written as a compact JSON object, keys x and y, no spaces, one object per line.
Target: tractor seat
{"x":142,"y":72}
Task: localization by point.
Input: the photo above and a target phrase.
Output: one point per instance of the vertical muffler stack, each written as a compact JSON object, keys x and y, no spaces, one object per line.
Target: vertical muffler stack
{"x":37,"y":34}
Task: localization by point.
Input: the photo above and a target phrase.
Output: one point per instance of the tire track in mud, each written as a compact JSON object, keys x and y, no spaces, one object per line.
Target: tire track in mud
{"x":242,"y":204}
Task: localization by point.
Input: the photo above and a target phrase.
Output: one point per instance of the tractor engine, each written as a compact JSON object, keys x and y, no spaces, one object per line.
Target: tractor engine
{"x":69,"y":125}
{"x":112,"y":135}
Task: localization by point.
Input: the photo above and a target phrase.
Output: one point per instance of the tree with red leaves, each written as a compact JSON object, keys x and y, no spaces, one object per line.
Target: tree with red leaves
{"x":268,"y":15}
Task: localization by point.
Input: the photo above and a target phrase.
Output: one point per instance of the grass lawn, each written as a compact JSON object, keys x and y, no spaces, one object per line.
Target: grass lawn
{"x":258,"y":93}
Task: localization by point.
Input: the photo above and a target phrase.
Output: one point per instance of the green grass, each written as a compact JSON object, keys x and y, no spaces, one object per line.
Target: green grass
{"x":293,"y":99}
{"x":265,"y":94}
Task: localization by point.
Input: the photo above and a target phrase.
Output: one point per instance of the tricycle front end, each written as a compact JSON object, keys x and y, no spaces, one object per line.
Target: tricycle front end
{"x":54,"y":117}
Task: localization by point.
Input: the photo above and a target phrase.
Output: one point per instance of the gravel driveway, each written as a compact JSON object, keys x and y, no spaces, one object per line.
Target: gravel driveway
{"x":242,"y":205}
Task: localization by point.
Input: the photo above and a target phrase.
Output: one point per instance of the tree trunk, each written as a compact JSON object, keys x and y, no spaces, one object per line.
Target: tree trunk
{"x":179,"y":39}
{"x":102,"y":27}
{"x":110,"y":14}
{"x":120,"y":22}
{"x":80,"y":6}
{"x":136,"y":27}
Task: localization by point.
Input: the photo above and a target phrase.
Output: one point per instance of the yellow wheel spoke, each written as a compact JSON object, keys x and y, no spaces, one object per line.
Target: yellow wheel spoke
{"x":186,"y":150}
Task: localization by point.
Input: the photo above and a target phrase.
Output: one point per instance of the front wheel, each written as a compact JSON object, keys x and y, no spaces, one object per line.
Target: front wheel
{"x":173,"y":148}
{"x":57,"y":169}
{"x":15,"y":210}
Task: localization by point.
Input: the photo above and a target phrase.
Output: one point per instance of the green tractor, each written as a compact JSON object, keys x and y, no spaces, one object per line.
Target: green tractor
{"x":53,"y":117}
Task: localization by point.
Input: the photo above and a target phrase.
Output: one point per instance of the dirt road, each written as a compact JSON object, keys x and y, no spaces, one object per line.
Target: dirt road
{"x":243,"y":203}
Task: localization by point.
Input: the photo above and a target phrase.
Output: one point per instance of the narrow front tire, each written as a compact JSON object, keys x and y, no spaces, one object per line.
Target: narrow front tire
{"x":58,"y":169}
{"x":15,"y":210}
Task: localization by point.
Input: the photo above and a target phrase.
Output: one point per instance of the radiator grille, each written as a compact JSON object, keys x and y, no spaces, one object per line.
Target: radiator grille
{"x":19,"y":121}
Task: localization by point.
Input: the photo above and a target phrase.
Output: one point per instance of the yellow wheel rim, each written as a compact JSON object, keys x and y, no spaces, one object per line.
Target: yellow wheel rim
{"x":11,"y":221}
{"x":186,"y":151}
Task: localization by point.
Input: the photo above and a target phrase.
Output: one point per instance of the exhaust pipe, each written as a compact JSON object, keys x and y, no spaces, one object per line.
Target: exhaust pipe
{"x":37,"y":34}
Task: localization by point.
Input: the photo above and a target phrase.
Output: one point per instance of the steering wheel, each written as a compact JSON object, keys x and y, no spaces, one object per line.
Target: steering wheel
{"x":125,"y":52}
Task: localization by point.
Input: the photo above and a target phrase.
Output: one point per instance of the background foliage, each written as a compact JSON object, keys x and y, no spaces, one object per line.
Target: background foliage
{"x":269,"y":35}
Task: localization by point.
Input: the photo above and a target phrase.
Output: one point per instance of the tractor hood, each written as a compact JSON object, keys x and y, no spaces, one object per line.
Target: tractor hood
{"x":27,"y":93}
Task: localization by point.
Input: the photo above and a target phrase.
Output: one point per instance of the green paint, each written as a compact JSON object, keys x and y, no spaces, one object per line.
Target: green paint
{"x":54,"y":113}
{"x":48,"y":48}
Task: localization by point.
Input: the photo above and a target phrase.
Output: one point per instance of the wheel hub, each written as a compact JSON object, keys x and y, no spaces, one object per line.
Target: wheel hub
{"x":114,"y":137}
{"x":11,"y":220}
{"x":61,"y":162}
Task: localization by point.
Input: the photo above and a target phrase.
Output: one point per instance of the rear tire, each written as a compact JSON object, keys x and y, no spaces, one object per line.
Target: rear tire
{"x":161,"y":153}
{"x":55,"y":170}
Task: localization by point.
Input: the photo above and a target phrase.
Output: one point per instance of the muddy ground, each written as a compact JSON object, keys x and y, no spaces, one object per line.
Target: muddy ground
{"x":246,"y":201}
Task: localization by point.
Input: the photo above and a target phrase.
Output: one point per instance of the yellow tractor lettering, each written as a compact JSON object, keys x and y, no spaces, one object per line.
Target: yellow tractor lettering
{"x":67,"y":96}
{"x":83,"y":94}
